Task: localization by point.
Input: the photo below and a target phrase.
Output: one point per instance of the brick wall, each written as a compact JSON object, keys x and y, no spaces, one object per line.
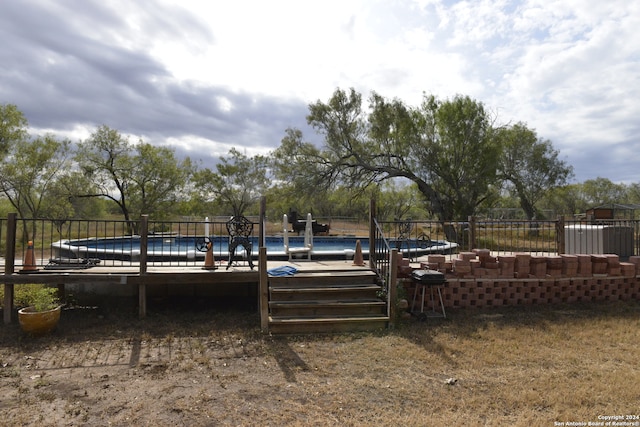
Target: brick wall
{"x":477,"y":279}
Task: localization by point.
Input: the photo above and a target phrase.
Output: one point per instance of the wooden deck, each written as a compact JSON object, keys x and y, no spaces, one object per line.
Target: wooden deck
{"x":176,"y":277}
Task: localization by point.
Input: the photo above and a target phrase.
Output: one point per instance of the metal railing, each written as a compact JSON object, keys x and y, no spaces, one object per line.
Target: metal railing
{"x":168,"y":243}
{"x":535,"y":237}
{"x":379,"y":251}
{"x":419,"y":237}
{"x":384,"y":261}
{"x":561,"y":236}
{"x":176,"y":243}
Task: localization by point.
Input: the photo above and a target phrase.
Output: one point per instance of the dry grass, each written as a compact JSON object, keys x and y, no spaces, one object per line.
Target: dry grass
{"x":511,"y":366}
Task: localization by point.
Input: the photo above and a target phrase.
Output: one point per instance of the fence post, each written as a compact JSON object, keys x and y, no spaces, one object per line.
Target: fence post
{"x":263,"y":290}
{"x":144,"y":242}
{"x":263,"y":220}
{"x":9,"y":265}
{"x":144,"y":245}
{"x":560,"y":241}
{"x":472,"y":233}
{"x":372,"y":234}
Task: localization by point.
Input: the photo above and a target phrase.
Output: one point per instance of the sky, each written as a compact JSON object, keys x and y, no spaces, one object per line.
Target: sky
{"x":206,"y":76}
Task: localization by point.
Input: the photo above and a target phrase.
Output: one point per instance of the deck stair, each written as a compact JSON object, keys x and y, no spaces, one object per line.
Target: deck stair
{"x":326,"y":301}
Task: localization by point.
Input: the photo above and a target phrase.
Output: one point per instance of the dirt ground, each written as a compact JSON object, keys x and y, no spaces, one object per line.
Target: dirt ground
{"x":200,"y":363}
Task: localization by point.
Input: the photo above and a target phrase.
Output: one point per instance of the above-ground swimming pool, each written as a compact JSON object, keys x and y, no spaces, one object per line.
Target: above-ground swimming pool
{"x":175,"y":247}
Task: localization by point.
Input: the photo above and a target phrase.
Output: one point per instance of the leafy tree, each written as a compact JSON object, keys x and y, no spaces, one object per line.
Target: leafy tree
{"x":13,"y":127}
{"x":62,"y":204}
{"x":137,"y":178}
{"x":238,"y":183}
{"x":394,"y":200}
{"x":199,"y":200}
{"x":74,"y":183}
{"x":633,"y":193}
{"x":563,"y":200}
{"x":530,"y":166}
{"x":30,"y":171}
{"x":158,"y":179}
{"x":106,"y":159}
{"x":5,"y":208}
{"x":602,"y":191}
{"x":445,"y":147}
{"x":457,"y":156}
{"x":301,"y":166}
{"x":35,"y":174}
{"x":578,"y":198}
{"x":346,"y":202}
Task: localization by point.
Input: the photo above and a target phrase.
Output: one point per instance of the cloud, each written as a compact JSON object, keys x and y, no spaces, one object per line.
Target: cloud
{"x":207,"y":76}
{"x":75,"y":74}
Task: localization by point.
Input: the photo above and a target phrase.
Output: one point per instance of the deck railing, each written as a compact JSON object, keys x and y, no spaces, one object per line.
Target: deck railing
{"x":384,"y":261}
{"x":500,"y":236}
{"x":158,"y":244}
{"x":379,"y":250}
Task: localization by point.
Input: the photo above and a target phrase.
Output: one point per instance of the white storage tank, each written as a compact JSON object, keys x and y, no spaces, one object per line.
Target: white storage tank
{"x":599,"y":239}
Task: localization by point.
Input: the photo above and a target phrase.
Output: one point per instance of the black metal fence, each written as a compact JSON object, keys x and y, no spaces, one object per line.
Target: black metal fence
{"x":180,"y":243}
{"x":111,"y":243}
{"x":419,"y":237}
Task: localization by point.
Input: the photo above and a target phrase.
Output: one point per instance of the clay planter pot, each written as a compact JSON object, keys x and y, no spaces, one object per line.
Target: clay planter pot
{"x":38,"y":322}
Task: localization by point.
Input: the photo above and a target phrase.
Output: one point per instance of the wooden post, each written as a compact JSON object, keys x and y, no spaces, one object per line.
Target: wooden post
{"x":560,"y":241}
{"x":392,"y":293}
{"x":263,"y":220}
{"x":9,"y":265}
{"x":262,"y":243}
{"x":142,"y":286}
{"x":144,"y":242}
{"x":8,"y":302}
{"x":263,"y":291}
{"x":372,"y":234}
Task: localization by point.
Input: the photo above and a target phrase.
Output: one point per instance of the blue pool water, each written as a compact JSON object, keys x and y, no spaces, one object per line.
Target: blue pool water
{"x":186,"y":247}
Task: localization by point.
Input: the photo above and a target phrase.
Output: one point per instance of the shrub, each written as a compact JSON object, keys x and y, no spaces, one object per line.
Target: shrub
{"x":39,"y":296}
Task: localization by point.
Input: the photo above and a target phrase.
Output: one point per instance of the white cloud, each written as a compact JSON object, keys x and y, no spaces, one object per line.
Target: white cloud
{"x":207,"y":76}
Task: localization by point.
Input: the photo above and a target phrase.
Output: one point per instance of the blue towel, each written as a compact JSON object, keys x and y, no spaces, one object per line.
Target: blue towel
{"x":284,"y":270}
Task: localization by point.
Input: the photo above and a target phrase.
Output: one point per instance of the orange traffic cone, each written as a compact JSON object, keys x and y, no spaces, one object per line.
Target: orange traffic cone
{"x":358,"y":260}
{"x":29,"y":263}
{"x":209,"y":263}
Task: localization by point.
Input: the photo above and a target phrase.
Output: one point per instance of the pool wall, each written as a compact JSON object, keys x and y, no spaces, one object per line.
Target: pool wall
{"x":181,"y":248}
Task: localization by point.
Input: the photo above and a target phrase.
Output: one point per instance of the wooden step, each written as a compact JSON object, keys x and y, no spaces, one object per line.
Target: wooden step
{"x":326,"y":324}
{"x":326,"y":301}
{"x":323,"y":278}
{"x":321,"y":308}
{"x":324,"y":293}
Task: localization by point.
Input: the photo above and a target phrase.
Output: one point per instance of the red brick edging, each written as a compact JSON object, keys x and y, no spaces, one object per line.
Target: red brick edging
{"x":476,"y":279}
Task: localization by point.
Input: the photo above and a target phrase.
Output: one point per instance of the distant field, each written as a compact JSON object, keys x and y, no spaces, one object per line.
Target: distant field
{"x":337,"y":228}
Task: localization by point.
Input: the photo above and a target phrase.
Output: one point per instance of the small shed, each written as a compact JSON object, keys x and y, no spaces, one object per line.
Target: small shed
{"x":613,"y":211}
